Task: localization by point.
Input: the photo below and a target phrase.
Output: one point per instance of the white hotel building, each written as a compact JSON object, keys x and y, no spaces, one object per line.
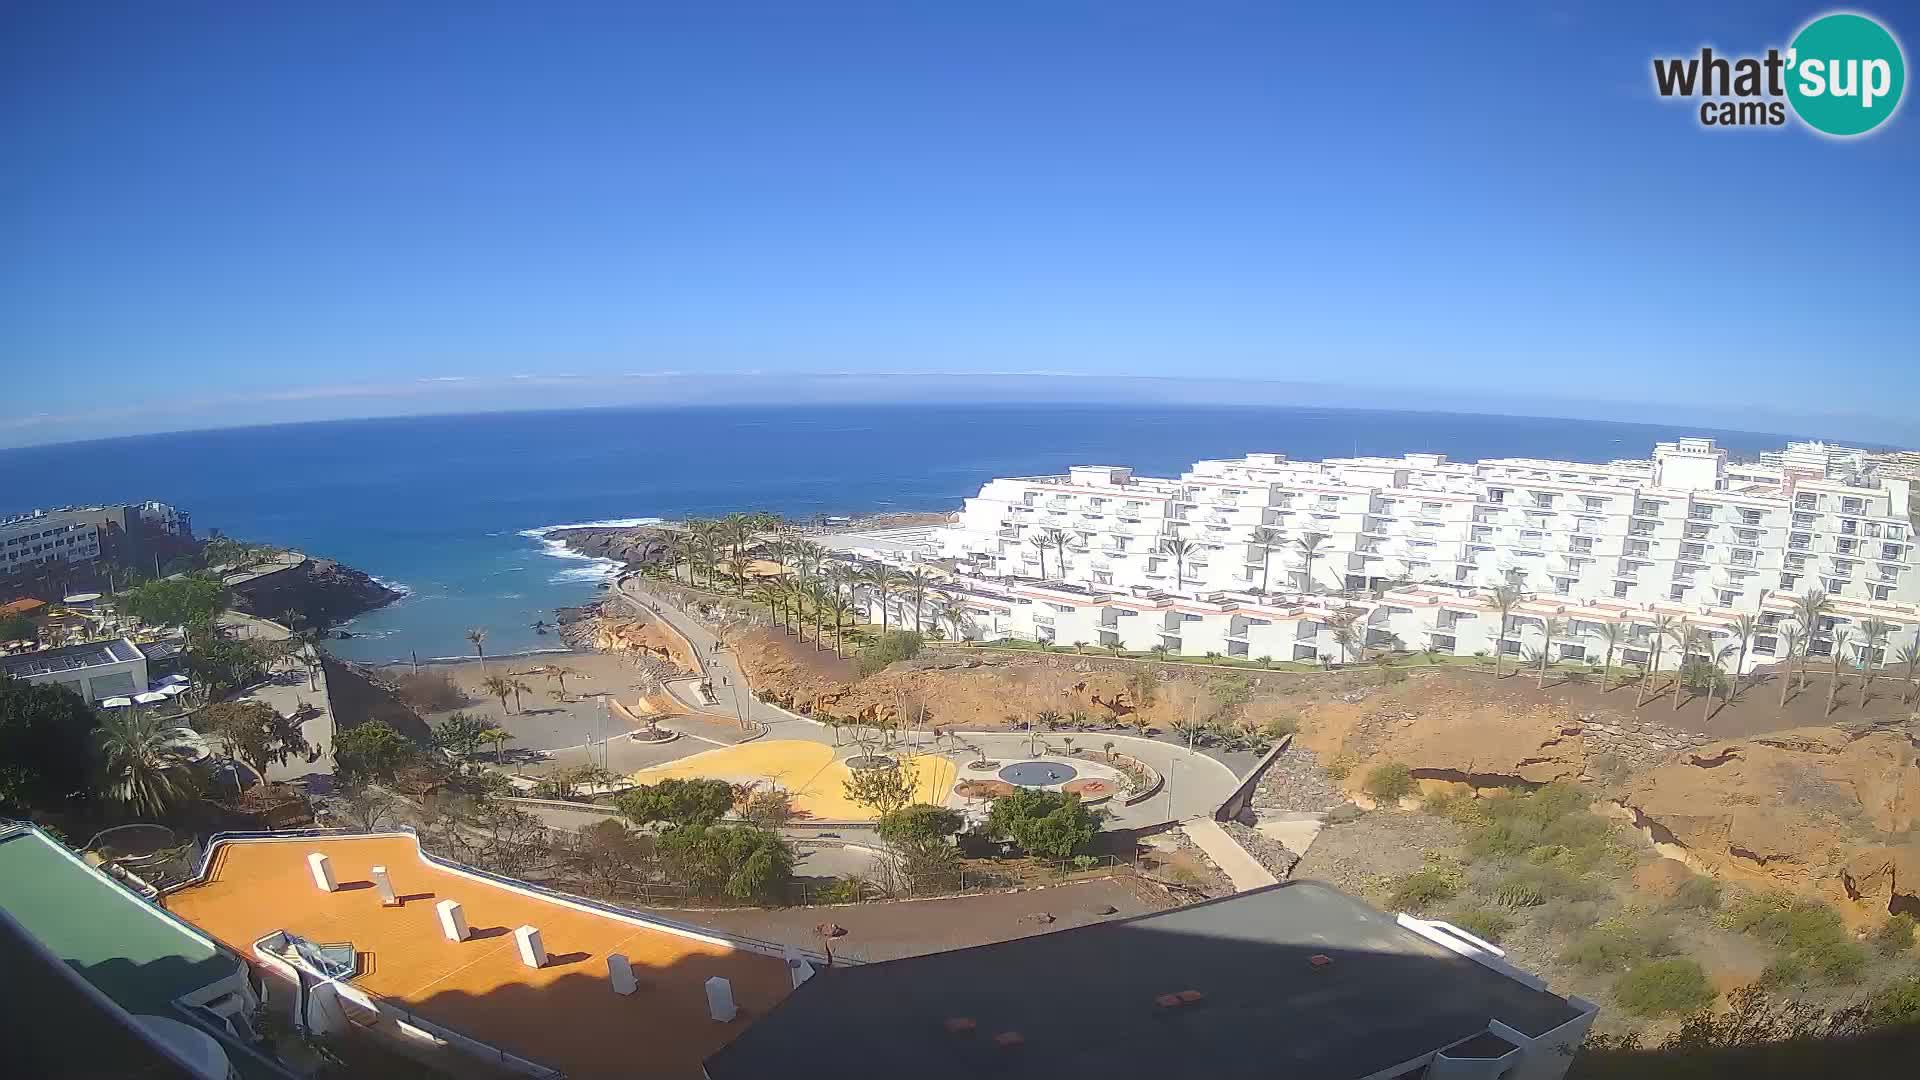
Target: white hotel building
{"x":1410,"y":546}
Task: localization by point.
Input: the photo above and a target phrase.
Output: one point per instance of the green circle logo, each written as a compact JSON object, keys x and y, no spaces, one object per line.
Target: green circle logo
{"x":1845,"y":74}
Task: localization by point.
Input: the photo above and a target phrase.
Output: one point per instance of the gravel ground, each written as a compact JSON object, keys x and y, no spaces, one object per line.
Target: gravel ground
{"x":1296,"y":782}
{"x":1360,"y":856}
{"x":1265,"y":850}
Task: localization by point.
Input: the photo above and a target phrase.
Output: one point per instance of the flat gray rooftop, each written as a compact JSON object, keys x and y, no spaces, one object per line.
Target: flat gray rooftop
{"x":1083,"y":1001}
{"x":69,"y":658}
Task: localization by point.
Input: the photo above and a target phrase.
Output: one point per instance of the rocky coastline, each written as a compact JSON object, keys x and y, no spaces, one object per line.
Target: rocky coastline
{"x":635,"y":547}
{"x":323,"y":592}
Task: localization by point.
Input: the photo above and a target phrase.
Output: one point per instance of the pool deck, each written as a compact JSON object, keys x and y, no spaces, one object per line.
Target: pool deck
{"x":563,"y":1015}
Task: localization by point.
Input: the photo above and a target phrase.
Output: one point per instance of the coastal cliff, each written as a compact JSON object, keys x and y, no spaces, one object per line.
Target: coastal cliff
{"x":323,"y":592}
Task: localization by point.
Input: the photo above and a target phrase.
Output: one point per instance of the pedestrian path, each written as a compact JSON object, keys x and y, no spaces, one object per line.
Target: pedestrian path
{"x":1233,"y":860}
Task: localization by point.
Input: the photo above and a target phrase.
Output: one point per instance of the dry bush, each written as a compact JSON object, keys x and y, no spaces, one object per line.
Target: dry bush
{"x":430,"y":691}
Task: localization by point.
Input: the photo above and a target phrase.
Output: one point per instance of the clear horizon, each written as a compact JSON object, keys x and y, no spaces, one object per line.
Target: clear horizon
{"x":236,"y":216}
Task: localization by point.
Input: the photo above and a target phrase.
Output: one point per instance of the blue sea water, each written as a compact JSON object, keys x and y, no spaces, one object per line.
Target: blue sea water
{"x":451,"y":507}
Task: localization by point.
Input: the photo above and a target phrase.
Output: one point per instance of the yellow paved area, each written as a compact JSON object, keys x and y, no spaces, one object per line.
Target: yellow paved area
{"x":811,"y":771}
{"x":563,"y":1015}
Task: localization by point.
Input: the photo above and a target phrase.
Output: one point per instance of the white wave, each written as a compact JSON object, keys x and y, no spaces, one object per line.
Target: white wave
{"x":402,"y":588}
{"x":609,"y":523}
{"x":601,"y":570}
{"x":508,"y":596}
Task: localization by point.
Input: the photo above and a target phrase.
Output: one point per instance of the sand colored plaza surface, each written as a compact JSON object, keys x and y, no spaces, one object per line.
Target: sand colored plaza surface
{"x":811,"y":771}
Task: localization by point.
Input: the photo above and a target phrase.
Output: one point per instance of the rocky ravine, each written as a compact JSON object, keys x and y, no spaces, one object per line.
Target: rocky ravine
{"x":1819,"y":811}
{"x":324,"y":592}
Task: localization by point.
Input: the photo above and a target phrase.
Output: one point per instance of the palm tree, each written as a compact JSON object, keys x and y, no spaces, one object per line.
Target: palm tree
{"x":952,"y":607}
{"x":840,"y":609}
{"x":1793,"y":641}
{"x":558,"y":673}
{"x":1662,"y":630}
{"x":1351,"y":639}
{"x":1179,"y":549}
{"x":1040,"y":543}
{"x":880,"y":578}
{"x":1060,"y":543}
{"x":478,"y":635}
{"x":915,"y":583}
{"x":820,"y":596}
{"x":768,"y":593}
{"x":1715,"y":658}
{"x":807,"y":557}
{"x":1615,"y":635}
{"x":1873,"y":643}
{"x":1809,"y":609}
{"x":1266,"y":540}
{"x":1744,"y":627}
{"x":1505,"y":599}
{"x":737,"y":531}
{"x":1550,"y":628}
{"x":499,"y":686}
{"x":1683,"y":636}
{"x":1842,"y":637}
{"x":1309,"y":546}
{"x":143,"y":760}
{"x":1908,"y":656}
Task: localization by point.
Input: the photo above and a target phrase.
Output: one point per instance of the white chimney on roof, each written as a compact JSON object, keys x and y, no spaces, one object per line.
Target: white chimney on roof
{"x":620,"y":973}
{"x":720,"y":999}
{"x":453,"y":920}
{"x":322,"y":870}
{"x":533,"y":952}
{"x":385,"y":884}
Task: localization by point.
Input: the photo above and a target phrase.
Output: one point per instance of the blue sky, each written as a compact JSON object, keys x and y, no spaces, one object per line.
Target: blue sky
{"x":222,"y":213}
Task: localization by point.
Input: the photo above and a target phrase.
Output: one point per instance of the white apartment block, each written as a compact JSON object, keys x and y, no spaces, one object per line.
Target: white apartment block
{"x":1411,"y":544}
{"x":46,"y":536}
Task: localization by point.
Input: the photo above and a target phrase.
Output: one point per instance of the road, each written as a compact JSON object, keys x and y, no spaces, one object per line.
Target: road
{"x":1196,"y":782}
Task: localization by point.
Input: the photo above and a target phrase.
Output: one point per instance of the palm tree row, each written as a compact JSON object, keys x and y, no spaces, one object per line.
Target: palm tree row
{"x":1704,"y":651}
{"x":702,"y":545}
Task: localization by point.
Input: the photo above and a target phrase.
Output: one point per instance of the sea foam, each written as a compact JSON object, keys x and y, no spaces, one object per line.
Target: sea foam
{"x":599,"y":569}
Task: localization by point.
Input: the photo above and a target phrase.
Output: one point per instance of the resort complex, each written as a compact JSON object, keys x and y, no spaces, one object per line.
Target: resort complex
{"x":1260,"y":556}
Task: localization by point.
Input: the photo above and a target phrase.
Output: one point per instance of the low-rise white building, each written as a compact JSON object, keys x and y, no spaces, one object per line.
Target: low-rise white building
{"x":96,"y":670}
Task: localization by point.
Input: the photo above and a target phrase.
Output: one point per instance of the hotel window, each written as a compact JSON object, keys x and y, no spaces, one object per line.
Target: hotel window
{"x":1692,"y":551}
{"x":1751,"y":517}
{"x":1895,"y":532}
{"x":1698,"y":532}
{"x":1620,"y":590}
{"x":1678,"y":592}
{"x":1852,"y":506}
{"x":1562,"y":586}
{"x":1849,"y":527}
{"x":1806,"y":502}
{"x":1765,"y":645}
{"x":1595,"y":502}
{"x":1799,"y":541}
{"x":1728,"y":597}
{"x":1835,"y":585}
{"x":1845,"y":546}
{"x":1701,"y":512}
{"x":1639,"y":547}
{"x":1804,"y":521}
{"x":1883,"y":592}
{"x":1890,"y":551}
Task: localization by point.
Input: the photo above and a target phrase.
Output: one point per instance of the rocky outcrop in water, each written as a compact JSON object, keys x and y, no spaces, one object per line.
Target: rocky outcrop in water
{"x":637,"y":546}
{"x":323,"y":592}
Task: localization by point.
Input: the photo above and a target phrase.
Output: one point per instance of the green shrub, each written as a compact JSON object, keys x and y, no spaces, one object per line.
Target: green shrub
{"x":1806,"y":929}
{"x":1898,"y":1003}
{"x":1619,"y":943}
{"x":1341,"y":766}
{"x":1663,"y":987}
{"x":1423,"y":888}
{"x":1698,"y":893}
{"x":1895,"y":936}
{"x":1459,"y":809}
{"x":1528,"y":886}
{"x":1484,"y":923}
{"x":1608,"y":768}
{"x":1566,"y":916}
{"x":846,"y":890}
{"x":1389,"y":782}
{"x":894,"y":645}
{"x":1786,"y":972}
{"x":1281,"y":726}
{"x":1045,"y":823}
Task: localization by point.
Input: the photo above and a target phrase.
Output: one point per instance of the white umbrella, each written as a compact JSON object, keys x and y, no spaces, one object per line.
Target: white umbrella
{"x":149,"y":698}
{"x":116,"y":703}
{"x":180,"y":679}
{"x":170,"y":689}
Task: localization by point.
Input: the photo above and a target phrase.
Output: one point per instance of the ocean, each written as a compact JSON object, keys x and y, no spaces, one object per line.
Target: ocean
{"x":453,"y":509}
